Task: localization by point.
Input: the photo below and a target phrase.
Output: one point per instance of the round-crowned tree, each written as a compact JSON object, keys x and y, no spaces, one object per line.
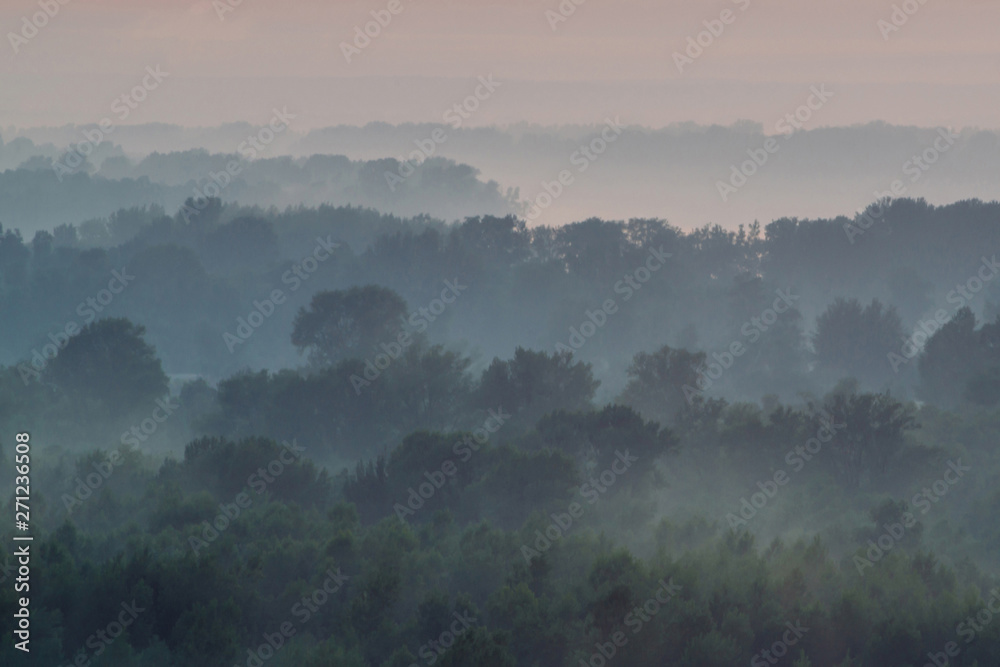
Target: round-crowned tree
{"x":109,"y":366}
{"x":344,"y":324}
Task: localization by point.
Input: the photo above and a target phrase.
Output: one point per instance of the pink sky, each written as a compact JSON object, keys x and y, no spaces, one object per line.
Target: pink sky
{"x":941,"y":68}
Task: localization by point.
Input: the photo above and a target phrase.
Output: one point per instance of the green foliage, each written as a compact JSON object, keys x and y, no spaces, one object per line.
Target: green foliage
{"x":854,"y":340}
{"x":657,"y":382}
{"x":869,"y":430}
{"x":418,"y":435}
{"x":533,"y":384}
{"x":345,"y":324}
{"x":108,"y":366}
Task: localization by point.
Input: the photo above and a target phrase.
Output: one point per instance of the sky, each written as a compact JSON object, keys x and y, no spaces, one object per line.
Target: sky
{"x":230,"y":62}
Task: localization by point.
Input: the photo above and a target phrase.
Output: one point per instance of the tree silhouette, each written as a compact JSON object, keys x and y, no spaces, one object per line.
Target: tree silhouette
{"x":351,"y":323}
{"x":855,"y":340}
{"x":109,"y":366}
{"x":656,"y":382}
{"x":535,"y":383}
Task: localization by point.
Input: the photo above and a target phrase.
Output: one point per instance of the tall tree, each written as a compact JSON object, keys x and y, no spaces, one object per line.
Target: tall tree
{"x":949,"y":360}
{"x":855,"y":340}
{"x":535,"y":383}
{"x":868,"y":431}
{"x":351,"y":323}
{"x":110,"y":366}
{"x":656,"y":382}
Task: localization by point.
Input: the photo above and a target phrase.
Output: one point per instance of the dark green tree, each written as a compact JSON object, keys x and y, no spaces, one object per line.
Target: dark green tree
{"x":868,"y":432}
{"x":854,"y":340}
{"x":953,"y":357}
{"x":342,"y":324}
{"x":657,"y":381}
{"x":109,"y":366}
{"x":535,"y":383}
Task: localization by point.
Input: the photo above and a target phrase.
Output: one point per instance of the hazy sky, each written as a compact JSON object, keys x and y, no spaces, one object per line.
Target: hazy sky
{"x":942,"y":67}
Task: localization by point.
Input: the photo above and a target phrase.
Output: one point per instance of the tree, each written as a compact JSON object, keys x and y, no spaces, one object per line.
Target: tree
{"x":775,"y":354}
{"x":109,"y":364}
{"x":955,"y":356}
{"x":535,"y":383}
{"x":13,"y":258}
{"x":856,"y":341}
{"x":244,"y":405}
{"x":367,"y":488}
{"x":246,"y":243}
{"x":489,"y":240}
{"x":202,"y":212}
{"x":428,"y":387}
{"x":342,"y":324}
{"x":479,"y":646}
{"x":868,"y":431}
{"x":597,"y":436}
{"x":593,"y":249}
{"x":657,"y":381}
